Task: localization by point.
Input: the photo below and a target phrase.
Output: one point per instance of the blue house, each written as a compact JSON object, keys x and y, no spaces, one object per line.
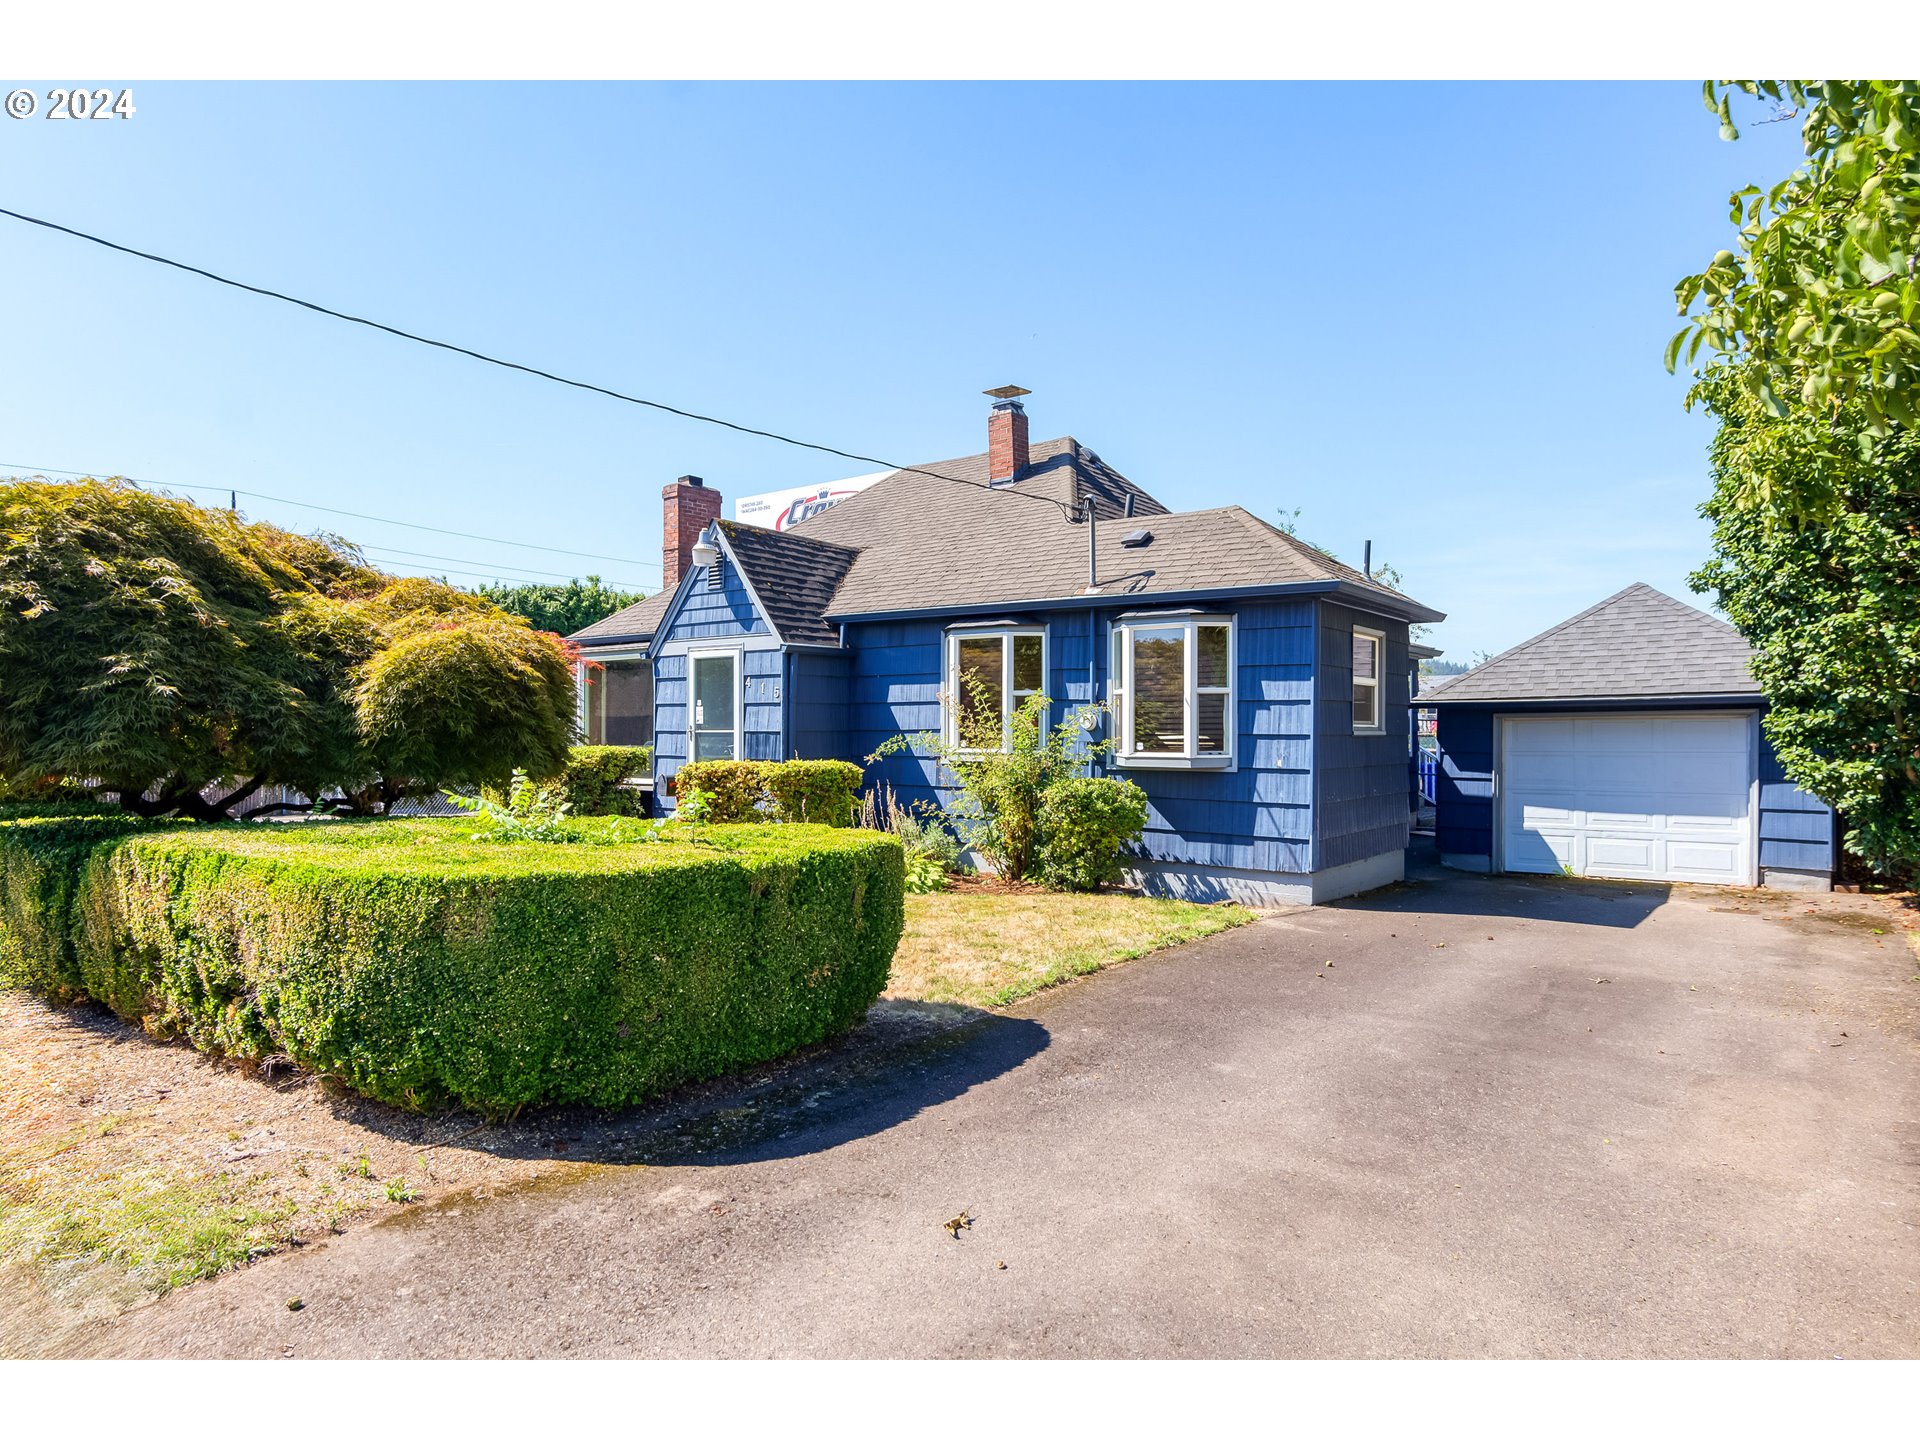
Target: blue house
{"x":1255,"y":688}
{"x":1623,"y":743}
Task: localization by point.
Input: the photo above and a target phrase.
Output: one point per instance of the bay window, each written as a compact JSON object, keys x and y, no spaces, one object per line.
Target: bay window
{"x":1171,"y":691}
{"x":990,"y":672}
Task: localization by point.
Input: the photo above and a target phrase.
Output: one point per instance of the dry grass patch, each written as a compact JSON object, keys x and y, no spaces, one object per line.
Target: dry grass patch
{"x":977,"y":945}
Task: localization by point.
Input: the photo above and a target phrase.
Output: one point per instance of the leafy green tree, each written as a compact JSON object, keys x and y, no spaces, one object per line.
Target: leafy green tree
{"x":159,"y":649}
{"x":561,"y":609}
{"x":1817,"y":305}
{"x":1830,"y":602}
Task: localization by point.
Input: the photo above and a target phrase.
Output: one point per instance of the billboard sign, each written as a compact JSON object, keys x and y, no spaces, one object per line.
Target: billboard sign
{"x":777,"y":509}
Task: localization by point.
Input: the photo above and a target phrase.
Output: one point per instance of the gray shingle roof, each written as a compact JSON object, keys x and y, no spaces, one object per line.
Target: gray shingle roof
{"x":1639,"y":644}
{"x":794,"y":576}
{"x":928,"y":544}
{"x":636,"y":622}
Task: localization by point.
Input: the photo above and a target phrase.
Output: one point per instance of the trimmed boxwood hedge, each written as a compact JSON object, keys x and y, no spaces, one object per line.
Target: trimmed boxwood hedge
{"x":42,"y":853}
{"x":422,"y":967}
{"x":817,"y":792}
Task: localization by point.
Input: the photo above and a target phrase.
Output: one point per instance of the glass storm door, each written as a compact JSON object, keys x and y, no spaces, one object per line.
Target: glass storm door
{"x":716,"y":706}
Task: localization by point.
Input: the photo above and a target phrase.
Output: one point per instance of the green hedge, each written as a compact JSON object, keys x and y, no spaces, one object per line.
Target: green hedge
{"x":42,"y":854}
{"x":592,"y":782}
{"x":799,"y":792}
{"x":422,"y":967}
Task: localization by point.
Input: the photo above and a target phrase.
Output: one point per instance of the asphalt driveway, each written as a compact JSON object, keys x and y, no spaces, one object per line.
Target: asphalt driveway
{"x":1470,"y":1117}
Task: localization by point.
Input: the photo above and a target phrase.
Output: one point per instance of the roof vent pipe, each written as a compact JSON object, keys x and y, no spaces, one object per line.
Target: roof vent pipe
{"x":1366,"y":560}
{"x":1093,"y":530}
{"x":1128,"y":512}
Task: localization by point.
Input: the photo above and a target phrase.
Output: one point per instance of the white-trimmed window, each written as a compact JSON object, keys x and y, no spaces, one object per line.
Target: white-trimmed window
{"x":990,"y":671}
{"x":1170,"y":691}
{"x":1369,"y":663}
{"x":713,"y":705}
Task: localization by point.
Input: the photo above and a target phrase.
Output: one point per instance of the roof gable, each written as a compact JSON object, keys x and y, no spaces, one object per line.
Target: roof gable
{"x":638,"y":622}
{"x":791,"y":578}
{"x":1638,"y":644}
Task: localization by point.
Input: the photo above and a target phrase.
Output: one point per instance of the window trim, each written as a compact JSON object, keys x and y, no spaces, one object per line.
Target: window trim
{"x":1120,"y":693}
{"x":595,"y":657}
{"x":1010,"y":698}
{"x":591,"y":690}
{"x":731,"y":654}
{"x":1379,"y":725}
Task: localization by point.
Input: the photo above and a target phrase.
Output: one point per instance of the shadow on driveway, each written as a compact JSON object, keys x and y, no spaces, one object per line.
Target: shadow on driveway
{"x":1431,"y":890}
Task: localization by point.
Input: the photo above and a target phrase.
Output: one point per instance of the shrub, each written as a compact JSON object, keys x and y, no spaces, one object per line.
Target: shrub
{"x":420,"y":967}
{"x":932,"y":850}
{"x":594,"y":781}
{"x":733,"y":789}
{"x":998,"y":811}
{"x":1086,"y":822}
{"x":800,"y":792}
{"x":813,"y":792}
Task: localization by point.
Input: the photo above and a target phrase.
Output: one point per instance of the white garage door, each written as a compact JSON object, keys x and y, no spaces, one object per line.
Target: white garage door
{"x":1637,"y":797}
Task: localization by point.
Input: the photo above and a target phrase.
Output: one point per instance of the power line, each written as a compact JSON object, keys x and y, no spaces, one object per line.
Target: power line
{"x":528,"y":369}
{"x":482,"y":564}
{"x":328,"y":509}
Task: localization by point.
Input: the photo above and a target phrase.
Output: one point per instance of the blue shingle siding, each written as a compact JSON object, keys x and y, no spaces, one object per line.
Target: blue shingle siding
{"x":1463,"y":809}
{"x":1796,"y":829}
{"x":1361,"y":781}
{"x":669,"y":716}
{"x":722,"y":618}
{"x":817,"y":705}
{"x":709,"y":614}
{"x":1257,"y":817}
{"x":893,"y":688}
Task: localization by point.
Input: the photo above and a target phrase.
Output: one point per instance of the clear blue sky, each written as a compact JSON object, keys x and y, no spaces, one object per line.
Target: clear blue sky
{"x":1429,"y":315}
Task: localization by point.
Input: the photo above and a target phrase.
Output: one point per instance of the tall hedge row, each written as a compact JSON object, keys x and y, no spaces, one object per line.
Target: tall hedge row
{"x":422,"y":967}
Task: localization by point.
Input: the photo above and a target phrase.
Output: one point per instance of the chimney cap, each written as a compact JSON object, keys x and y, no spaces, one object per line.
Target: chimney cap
{"x":689,"y":480}
{"x":1006,"y":392}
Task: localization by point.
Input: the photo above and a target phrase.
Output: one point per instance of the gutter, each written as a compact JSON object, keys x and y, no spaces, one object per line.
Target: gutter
{"x":1356,"y":597}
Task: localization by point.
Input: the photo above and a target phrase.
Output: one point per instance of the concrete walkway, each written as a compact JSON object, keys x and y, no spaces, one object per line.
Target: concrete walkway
{"x":1469,"y":1117}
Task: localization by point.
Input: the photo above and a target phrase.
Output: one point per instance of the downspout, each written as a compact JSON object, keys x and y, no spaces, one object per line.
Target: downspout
{"x":1093,"y":685}
{"x":786,"y":704}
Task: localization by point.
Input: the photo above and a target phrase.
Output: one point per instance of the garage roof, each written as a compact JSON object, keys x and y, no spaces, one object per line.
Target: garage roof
{"x":1639,"y":644}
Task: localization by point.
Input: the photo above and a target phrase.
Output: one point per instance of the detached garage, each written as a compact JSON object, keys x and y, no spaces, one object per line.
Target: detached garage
{"x":1624,"y":743}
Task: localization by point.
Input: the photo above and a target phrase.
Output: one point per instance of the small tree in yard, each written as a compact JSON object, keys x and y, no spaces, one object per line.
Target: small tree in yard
{"x":159,"y":648}
{"x":1003,"y":791}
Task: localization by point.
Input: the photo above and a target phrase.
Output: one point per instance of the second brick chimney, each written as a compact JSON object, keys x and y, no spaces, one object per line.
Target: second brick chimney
{"x":689,"y":507}
{"x":1006,"y":436}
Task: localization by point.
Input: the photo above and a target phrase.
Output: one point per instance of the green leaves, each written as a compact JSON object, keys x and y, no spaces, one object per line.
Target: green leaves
{"x":1823,"y":278}
{"x":1817,"y":562}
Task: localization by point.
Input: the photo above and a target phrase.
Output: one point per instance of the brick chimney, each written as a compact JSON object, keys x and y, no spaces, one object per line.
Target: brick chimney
{"x":1006,"y":435}
{"x":689,"y":507}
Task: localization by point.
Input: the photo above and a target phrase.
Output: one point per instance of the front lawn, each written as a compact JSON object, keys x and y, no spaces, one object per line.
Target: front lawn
{"x":976,"y":945}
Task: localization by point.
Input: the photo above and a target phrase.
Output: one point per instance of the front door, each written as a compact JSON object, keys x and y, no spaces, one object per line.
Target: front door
{"x":716,"y":705}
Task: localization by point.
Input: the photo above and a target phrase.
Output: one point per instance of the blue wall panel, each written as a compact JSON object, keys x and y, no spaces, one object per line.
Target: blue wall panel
{"x":1463,"y":808}
{"x":718,"y":618}
{"x":1797,"y":830}
{"x":1363,"y":783}
{"x":817,"y":706}
{"x":1256,"y":817}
